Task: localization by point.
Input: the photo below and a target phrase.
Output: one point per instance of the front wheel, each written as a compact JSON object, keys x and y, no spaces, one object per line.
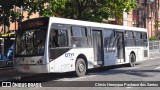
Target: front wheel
{"x":132,"y":60}
{"x":80,"y":67}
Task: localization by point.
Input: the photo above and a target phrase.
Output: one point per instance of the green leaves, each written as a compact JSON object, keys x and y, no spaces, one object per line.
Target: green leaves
{"x":15,"y":16}
{"x":153,"y":38}
{"x":93,"y":10}
{"x":7,"y":13}
{"x":89,"y":10}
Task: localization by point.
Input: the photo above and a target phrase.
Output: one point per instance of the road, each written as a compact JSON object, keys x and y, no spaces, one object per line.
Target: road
{"x":147,"y":71}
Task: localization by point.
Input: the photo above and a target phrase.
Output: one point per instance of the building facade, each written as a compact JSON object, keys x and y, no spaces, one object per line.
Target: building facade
{"x":14,"y":25}
{"x":147,"y":15}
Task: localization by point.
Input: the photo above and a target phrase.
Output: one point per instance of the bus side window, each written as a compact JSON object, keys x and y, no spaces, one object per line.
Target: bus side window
{"x":144,"y":36}
{"x":130,"y":34}
{"x":138,"y":35}
{"x":58,"y":38}
{"x":79,"y":36}
{"x":54,"y":38}
{"x":108,"y":38}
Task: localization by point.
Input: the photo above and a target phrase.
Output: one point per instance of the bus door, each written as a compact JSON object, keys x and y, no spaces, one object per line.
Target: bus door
{"x":98,"y":47}
{"x":120,"y":46}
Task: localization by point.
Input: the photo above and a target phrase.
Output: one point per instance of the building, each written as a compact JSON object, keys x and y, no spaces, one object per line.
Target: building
{"x":14,"y":25}
{"x":145,"y":16}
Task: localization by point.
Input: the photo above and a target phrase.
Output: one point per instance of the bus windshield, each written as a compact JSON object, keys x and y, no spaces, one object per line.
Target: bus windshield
{"x":31,"y":42}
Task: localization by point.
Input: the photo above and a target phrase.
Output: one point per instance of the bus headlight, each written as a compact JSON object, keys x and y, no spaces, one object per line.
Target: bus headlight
{"x":40,"y":61}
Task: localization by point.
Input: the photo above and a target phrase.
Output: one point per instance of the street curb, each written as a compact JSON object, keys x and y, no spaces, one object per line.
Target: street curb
{"x":9,"y":79}
{"x":5,"y":68}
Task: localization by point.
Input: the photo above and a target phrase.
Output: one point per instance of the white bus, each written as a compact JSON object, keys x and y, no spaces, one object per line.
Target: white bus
{"x":56,"y":45}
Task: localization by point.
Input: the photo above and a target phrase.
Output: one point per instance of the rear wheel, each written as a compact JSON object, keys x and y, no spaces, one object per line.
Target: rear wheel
{"x":80,"y":67}
{"x":132,"y":60}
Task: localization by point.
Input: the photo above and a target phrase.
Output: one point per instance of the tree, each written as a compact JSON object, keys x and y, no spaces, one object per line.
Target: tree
{"x":45,"y":7}
{"x":6,"y":11}
{"x":156,"y":25}
{"x":90,"y":10}
{"x":97,"y":10}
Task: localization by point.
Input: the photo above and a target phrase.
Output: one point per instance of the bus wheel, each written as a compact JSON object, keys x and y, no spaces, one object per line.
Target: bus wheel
{"x":132,"y":60}
{"x":80,"y":67}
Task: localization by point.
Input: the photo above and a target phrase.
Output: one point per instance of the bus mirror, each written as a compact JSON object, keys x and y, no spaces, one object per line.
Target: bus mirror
{"x":125,"y":35}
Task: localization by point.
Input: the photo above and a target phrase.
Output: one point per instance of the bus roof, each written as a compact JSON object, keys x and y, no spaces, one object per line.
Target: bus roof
{"x":93,"y":24}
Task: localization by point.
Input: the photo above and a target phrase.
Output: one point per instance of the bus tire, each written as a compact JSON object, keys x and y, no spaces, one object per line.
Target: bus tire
{"x":80,"y":67}
{"x":132,"y":60}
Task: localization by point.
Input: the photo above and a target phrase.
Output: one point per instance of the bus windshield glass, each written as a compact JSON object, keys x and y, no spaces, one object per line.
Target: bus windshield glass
{"x":31,"y":42}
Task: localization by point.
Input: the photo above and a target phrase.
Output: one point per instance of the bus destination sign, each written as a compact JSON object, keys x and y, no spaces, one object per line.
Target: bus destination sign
{"x":33,"y":23}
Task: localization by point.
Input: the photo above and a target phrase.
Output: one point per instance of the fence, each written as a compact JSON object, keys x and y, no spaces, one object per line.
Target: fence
{"x":154,"y":47}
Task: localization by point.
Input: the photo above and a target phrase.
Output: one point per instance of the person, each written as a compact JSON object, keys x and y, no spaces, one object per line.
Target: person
{"x":41,"y":46}
{"x":10,"y":52}
{"x":55,"y":38}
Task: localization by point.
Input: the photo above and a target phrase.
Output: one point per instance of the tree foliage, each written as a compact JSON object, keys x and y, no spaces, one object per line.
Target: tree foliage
{"x":7,"y":13}
{"x":90,"y":10}
{"x":156,"y":25}
{"x":153,"y":38}
{"x":97,"y":10}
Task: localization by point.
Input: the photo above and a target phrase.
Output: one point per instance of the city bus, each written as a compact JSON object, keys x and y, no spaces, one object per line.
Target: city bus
{"x":6,"y":49}
{"x":58,"y":45}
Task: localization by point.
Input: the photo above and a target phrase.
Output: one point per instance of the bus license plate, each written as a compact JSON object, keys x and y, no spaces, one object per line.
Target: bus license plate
{"x":26,"y":67}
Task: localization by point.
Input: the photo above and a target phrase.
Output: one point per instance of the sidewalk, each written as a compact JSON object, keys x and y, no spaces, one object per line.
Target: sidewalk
{"x":6,"y":73}
{"x":2,"y":64}
{"x":154,"y":56}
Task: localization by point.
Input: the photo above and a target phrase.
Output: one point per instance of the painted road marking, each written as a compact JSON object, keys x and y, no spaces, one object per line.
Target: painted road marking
{"x":74,"y":79}
{"x":128,"y":87}
{"x":157,"y":67}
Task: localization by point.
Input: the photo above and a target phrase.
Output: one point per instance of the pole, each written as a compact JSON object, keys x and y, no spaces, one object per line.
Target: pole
{"x":15,"y":18}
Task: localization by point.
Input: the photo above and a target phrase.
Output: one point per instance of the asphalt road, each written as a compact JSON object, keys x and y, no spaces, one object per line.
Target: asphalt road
{"x":147,"y":71}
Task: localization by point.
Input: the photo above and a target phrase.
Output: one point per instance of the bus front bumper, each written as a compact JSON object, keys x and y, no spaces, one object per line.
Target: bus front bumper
{"x":31,"y":69}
